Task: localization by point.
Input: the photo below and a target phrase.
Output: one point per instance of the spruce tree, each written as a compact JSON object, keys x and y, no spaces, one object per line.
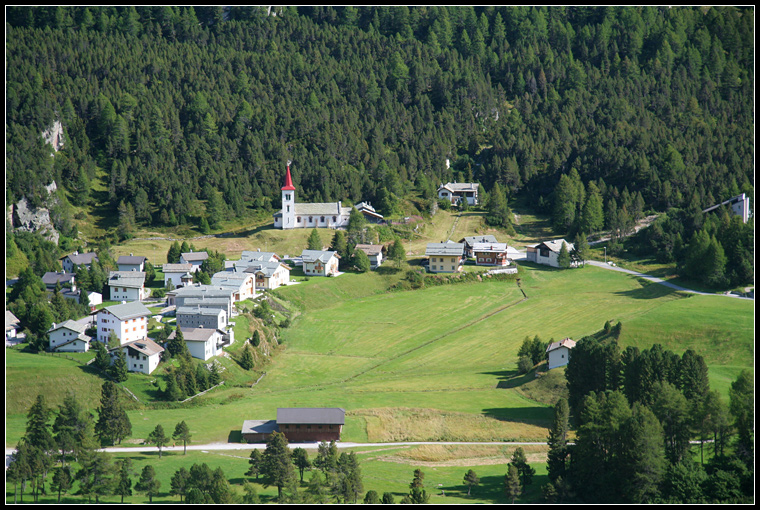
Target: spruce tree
{"x":182,"y":433}
{"x":148,"y":484}
{"x":556,"y":463}
{"x":563,"y":259}
{"x":158,"y":438}
{"x":179,"y":483}
{"x":277,"y":466}
{"x":314,"y":243}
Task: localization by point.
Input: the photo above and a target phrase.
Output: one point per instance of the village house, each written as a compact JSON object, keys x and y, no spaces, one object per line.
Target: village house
{"x":63,"y":279}
{"x":181,"y":297}
{"x":547,"y":252}
{"x":12,"y":326}
{"x":455,"y":192}
{"x":369,"y":212}
{"x":268,"y":275}
{"x":127,"y":285}
{"x":242,"y":284}
{"x":210,"y":303}
{"x":308,"y":215}
{"x":203,"y":343}
{"x":131,"y":263}
{"x":197,"y":317}
{"x":374,"y":253}
{"x":142,"y":355}
{"x":490,"y":254}
{"x":94,"y":298}
{"x":298,"y":424}
{"x":68,"y":336}
{"x":470,"y":241}
{"x":129,"y":321}
{"x":320,"y":263}
{"x":71,"y":261}
{"x":250,"y":257}
{"x":445,"y":257}
{"x":194,"y":258}
{"x":559,"y":352}
{"x":174,"y":273}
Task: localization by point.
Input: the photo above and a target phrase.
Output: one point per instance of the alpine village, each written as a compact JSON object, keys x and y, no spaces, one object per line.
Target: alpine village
{"x":376,"y":255}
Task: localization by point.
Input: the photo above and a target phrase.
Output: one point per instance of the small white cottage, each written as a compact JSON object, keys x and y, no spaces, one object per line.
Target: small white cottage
{"x":559,"y":352}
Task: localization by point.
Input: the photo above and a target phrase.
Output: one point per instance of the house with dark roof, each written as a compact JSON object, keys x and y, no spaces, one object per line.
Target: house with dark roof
{"x":299,"y":424}
{"x":470,"y":241}
{"x":178,"y":297}
{"x":131,"y":263}
{"x":71,"y":261}
{"x":62,"y":278}
{"x":320,"y":263}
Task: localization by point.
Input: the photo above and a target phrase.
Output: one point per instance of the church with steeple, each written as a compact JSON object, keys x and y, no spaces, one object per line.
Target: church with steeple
{"x":301,"y":215}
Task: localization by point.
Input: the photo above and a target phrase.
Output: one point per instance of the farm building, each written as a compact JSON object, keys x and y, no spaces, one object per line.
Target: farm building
{"x":299,"y":424}
{"x":559,"y":353}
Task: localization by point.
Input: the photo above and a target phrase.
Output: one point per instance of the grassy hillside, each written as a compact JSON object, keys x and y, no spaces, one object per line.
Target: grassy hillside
{"x":431,"y":364}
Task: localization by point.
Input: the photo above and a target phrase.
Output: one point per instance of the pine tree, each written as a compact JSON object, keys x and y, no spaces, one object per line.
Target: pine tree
{"x":512,"y":485}
{"x":361,"y":261}
{"x":123,"y":482}
{"x":470,"y":479}
{"x":521,"y":463}
{"x":118,"y":370}
{"x":255,"y":462}
{"x":246,"y":359}
{"x":179,"y":483}
{"x":556,"y":461}
{"x":158,"y":437}
{"x":315,"y":243}
{"x":563,"y":259}
{"x":301,"y":461}
{"x":62,"y":481}
{"x":182,"y":433}
{"x":113,"y":423}
{"x":277,"y":465}
{"x":148,"y":484}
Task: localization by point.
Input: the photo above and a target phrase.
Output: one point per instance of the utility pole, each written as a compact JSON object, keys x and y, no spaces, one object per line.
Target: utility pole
{"x":605,"y":254}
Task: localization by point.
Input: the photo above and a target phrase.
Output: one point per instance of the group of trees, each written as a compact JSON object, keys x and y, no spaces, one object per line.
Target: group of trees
{"x":636,"y":413}
{"x":531,"y":353}
{"x":190,"y":377}
{"x":333,"y":474}
{"x":649,"y":102}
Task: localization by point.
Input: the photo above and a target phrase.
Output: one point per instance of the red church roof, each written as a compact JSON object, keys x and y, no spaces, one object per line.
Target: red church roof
{"x":288,"y":182}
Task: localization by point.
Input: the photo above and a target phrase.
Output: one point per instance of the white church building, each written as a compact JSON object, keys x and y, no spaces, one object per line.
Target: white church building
{"x":322,"y":215}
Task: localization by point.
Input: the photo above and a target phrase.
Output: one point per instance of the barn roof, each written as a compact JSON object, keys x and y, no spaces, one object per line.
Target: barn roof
{"x":306,"y":415}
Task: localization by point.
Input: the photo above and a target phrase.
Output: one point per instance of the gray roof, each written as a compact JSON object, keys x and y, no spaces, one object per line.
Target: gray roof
{"x":259,"y":427}
{"x":258,"y":256}
{"x":479,"y":239}
{"x":198,"y":310}
{"x":306,"y":415}
{"x":128,"y":310}
{"x":449,"y":249}
{"x":10,"y":319}
{"x":69,"y":324}
{"x":556,"y":245}
{"x":315,"y":255}
{"x":213,"y":291}
{"x":50,"y":279}
{"x":81,"y":258}
{"x":460,"y":186}
{"x":132,"y":279}
{"x":195,"y":256}
{"x":229,"y":275}
{"x":266,"y":268}
{"x":207,"y":301}
{"x":370,"y":249}
{"x":177,"y":268}
{"x":195,"y":334}
{"x":131,"y":260}
{"x":479,"y":247}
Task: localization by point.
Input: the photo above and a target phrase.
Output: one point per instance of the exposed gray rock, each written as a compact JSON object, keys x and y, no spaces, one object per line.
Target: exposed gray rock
{"x":54,"y":135}
{"x":34,"y":220}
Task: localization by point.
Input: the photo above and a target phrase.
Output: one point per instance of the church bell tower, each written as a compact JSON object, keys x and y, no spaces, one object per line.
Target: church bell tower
{"x":288,"y":202}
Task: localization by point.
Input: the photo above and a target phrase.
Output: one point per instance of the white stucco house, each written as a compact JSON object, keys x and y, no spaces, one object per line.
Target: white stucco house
{"x":194,"y":258}
{"x":141,"y":355}
{"x":241,"y":283}
{"x":203,"y":343}
{"x":547,"y":253}
{"x":559,"y":352}
{"x":68,"y":336}
{"x":127,"y":285}
{"x":174,"y":273}
{"x":197,"y":317}
{"x":131,"y":263}
{"x":129,"y":321}
{"x":71,"y":261}
{"x":320,"y":263}
{"x":455,"y":192}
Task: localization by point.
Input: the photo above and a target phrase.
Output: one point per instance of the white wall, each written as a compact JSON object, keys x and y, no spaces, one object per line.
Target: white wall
{"x":559,"y":357}
{"x":126,"y":293}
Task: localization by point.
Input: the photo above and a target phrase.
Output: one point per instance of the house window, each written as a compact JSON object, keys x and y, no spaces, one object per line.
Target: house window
{"x":298,"y":219}
{"x":322,"y":219}
{"x":309,"y":219}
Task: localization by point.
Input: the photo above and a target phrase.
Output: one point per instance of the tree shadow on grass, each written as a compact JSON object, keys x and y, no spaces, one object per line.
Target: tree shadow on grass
{"x":250,"y":232}
{"x":511,"y":379}
{"x":648,"y":290}
{"x":536,"y":416}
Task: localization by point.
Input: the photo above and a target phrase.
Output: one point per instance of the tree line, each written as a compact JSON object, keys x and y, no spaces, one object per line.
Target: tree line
{"x":191,"y":115}
{"x":636,"y":413}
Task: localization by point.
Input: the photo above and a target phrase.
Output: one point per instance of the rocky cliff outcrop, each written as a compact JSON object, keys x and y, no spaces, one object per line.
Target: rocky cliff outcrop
{"x":33,"y":220}
{"x":54,"y":135}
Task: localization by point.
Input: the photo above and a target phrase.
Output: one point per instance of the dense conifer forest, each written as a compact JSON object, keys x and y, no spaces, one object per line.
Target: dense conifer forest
{"x":643,"y":108}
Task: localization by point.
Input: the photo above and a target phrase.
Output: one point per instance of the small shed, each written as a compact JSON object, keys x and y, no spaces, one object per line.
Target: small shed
{"x":257,"y":431}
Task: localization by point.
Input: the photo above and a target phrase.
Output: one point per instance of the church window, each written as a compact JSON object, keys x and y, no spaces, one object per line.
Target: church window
{"x":334,"y":219}
{"x":309,"y":219}
{"x":322,"y":219}
{"x":299,"y":219}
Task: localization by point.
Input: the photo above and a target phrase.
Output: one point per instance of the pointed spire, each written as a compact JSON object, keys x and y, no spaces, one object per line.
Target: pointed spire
{"x":288,"y":182}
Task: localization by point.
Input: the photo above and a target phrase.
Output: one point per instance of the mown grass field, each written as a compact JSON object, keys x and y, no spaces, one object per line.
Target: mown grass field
{"x":431,"y":364}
